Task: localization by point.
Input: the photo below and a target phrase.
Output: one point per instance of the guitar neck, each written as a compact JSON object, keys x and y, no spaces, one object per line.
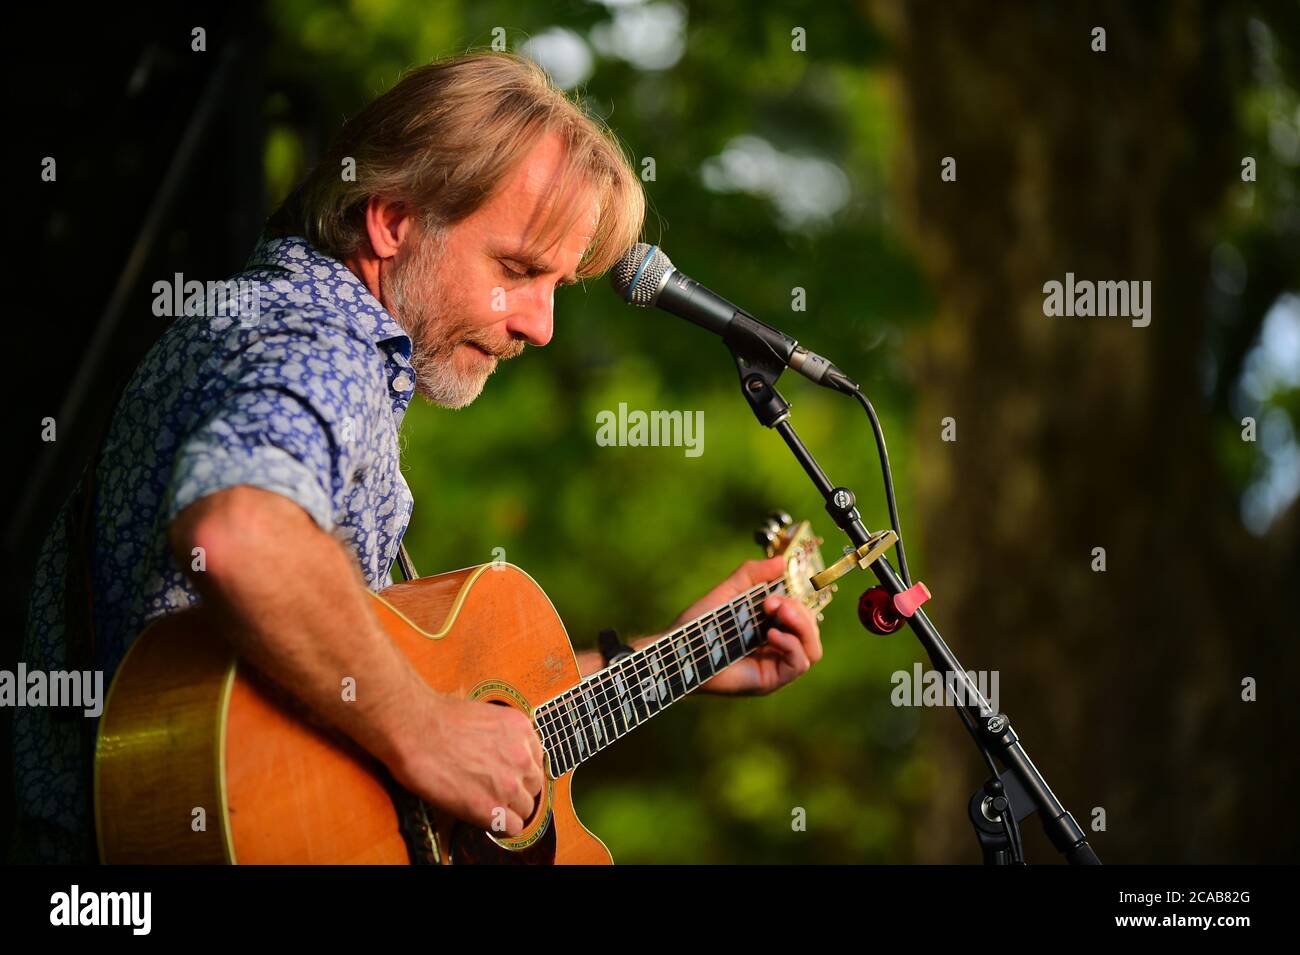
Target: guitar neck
{"x":609,"y":704}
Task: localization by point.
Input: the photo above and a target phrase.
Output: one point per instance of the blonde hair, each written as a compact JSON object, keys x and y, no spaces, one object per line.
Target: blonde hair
{"x":443,"y":141}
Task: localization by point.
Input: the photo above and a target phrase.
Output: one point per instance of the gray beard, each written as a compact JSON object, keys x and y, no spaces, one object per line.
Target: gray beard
{"x":418,"y":301}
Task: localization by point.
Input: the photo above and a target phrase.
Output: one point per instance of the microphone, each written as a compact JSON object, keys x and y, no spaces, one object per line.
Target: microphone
{"x":644,"y":276}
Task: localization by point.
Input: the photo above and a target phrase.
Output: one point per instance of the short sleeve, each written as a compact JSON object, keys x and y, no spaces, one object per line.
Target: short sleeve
{"x":292,"y":414}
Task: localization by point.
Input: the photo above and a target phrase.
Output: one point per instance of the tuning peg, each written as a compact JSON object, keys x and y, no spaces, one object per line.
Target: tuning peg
{"x":782,"y":519}
{"x":765,"y":536}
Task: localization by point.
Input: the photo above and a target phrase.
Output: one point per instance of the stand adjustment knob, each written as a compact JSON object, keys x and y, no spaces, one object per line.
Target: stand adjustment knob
{"x":877,"y":613}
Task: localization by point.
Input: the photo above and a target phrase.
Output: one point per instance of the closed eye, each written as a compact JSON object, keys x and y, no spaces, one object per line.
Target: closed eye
{"x":531,"y":273}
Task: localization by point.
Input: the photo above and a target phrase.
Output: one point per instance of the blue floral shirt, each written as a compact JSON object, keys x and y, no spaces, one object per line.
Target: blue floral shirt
{"x":304,"y":397}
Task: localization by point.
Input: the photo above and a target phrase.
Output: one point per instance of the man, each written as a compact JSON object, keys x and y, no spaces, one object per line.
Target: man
{"x":254,"y":464}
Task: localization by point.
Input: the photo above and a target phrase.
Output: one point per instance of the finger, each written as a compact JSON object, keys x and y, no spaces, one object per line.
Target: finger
{"x":533,"y":780}
{"x":527,"y":729}
{"x":500,"y":821}
{"x":512,"y":797}
{"x":796,"y":618}
{"x":790,"y":649}
{"x":522,"y":802}
{"x":758,"y":571}
{"x":535,"y":748}
{"x":514,"y":824}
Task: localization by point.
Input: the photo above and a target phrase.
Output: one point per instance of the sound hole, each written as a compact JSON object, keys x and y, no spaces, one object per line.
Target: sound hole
{"x":471,"y":845}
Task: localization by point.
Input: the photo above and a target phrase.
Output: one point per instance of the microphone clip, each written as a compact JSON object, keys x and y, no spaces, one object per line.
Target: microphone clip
{"x":758,"y":376}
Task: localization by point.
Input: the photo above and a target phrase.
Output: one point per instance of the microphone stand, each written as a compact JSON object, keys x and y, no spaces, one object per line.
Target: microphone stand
{"x":1020,"y":789}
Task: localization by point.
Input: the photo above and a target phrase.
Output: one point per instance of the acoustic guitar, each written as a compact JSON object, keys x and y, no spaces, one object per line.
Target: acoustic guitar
{"x":200,"y":760}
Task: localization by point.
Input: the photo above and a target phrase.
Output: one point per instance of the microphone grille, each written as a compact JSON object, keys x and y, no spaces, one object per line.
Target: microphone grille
{"x":637,"y":275}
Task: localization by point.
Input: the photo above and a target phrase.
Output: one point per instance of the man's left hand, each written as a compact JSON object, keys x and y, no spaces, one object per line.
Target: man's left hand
{"x":793,"y":645}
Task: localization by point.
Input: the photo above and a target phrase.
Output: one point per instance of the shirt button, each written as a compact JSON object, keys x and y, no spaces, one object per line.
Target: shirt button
{"x":402,"y":382}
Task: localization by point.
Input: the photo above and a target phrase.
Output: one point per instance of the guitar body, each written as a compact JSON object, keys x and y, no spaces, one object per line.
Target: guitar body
{"x":200,"y":760}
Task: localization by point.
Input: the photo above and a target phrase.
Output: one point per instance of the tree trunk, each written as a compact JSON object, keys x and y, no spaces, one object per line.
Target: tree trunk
{"x":1075,"y":433}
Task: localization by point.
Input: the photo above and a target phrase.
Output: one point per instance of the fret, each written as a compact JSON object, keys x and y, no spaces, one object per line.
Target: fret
{"x":592,"y":716}
{"x":542,"y":717}
{"x":655,"y":678}
{"x":640,"y":690}
{"x":661,"y":672}
{"x":715,"y":658}
{"x":559,"y":756}
{"x":583,"y":734}
{"x":703,"y":651}
{"x":622,"y":681}
{"x":684,"y":660}
{"x":745,"y":629}
{"x":676,"y":667}
{"x":727,"y":627}
{"x":697,"y":652}
{"x":606,"y":705}
{"x":644,"y":696}
{"x":619,"y":703}
{"x":573,"y":753}
{"x":544,"y":732}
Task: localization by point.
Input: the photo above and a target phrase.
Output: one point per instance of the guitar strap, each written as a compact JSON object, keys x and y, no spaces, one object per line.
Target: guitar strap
{"x":612,"y":648}
{"x":404,"y":560}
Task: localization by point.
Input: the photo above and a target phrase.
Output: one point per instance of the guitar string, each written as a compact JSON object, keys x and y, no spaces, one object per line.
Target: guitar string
{"x":552,"y":728}
{"x":584,"y":721}
{"x":675,"y":668}
{"x":589,"y":715}
{"x":643,"y":665}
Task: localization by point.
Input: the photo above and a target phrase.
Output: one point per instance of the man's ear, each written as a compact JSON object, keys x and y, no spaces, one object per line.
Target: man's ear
{"x":388,"y":222}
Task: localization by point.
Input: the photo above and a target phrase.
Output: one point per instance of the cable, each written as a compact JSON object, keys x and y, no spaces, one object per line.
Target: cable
{"x":1008,"y":817}
{"x":889,"y":484}
{"x":1013,"y":834}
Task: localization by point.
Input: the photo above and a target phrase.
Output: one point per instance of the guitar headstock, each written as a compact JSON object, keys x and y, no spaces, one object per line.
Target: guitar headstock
{"x":800,"y":547}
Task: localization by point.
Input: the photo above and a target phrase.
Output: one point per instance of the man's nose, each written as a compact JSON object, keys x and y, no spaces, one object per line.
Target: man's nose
{"x":533,"y":318}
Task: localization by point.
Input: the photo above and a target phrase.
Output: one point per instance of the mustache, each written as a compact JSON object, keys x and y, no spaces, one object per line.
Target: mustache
{"x":504,"y":353}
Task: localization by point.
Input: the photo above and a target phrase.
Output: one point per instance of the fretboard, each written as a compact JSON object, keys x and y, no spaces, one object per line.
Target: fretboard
{"x":612,"y":702}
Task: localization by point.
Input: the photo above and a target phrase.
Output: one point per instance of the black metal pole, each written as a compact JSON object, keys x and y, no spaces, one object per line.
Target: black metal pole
{"x":758,"y":379}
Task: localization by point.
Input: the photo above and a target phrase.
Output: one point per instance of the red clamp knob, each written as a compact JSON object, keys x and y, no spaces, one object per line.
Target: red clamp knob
{"x":907,"y":602}
{"x":876,"y":611}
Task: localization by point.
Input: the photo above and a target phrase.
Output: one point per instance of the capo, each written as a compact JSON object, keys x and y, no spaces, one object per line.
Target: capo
{"x":863,"y":557}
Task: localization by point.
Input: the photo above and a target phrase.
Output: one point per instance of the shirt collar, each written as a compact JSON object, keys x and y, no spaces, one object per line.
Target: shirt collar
{"x":295,"y":254}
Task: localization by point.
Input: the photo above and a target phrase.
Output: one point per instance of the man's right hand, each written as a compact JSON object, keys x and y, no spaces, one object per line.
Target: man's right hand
{"x":307,"y":631}
{"x":479,"y":762}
